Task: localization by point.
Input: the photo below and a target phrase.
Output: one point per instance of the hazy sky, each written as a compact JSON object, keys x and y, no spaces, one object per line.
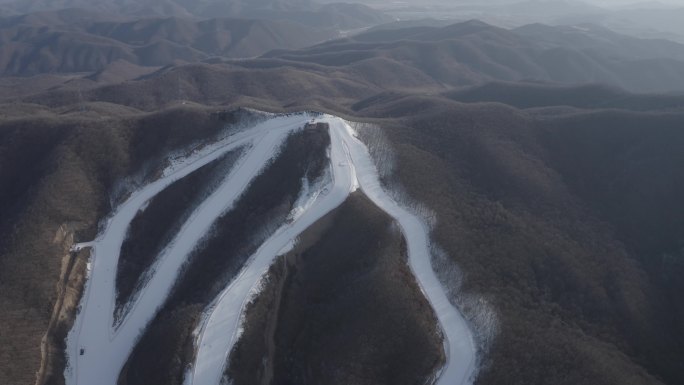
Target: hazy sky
{"x":481,"y":2}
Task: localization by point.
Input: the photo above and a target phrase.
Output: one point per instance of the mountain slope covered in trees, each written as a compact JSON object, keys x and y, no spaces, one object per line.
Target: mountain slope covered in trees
{"x":560,"y":204}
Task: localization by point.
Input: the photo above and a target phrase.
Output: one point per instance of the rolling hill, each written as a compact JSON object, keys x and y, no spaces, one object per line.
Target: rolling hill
{"x":474,"y":52}
{"x":75,"y":41}
{"x":331,"y":16}
{"x":427,"y":58}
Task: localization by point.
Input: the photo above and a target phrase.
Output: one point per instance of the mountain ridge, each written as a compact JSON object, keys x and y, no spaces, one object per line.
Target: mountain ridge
{"x":340,"y":15}
{"x":89,"y":46}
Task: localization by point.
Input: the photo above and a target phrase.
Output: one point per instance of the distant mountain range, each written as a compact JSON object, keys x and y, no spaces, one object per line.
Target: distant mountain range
{"x":76,"y":41}
{"x":400,"y":57}
{"x":644,"y":19}
{"x":474,"y":52}
{"x":308,"y":12}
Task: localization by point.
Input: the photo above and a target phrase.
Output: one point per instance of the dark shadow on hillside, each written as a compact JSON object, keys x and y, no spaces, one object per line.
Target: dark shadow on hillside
{"x":342,"y":308}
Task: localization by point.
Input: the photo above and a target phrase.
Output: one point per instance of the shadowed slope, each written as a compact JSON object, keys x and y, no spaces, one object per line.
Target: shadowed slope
{"x":341,"y":308}
{"x":565,"y":226}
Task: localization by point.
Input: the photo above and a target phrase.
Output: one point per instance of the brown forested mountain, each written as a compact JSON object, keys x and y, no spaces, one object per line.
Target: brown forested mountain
{"x":430,"y":58}
{"x":74,"y":41}
{"x":474,"y":52}
{"x":336,"y":15}
{"x":561,"y":204}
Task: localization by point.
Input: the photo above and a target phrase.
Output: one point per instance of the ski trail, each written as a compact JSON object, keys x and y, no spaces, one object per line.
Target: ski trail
{"x":353,"y":168}
{"x":105,"y":349}
{"x":224,"y":320}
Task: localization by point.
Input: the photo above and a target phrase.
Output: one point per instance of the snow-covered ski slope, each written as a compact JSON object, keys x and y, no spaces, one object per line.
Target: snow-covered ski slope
{"x":351,"y":167}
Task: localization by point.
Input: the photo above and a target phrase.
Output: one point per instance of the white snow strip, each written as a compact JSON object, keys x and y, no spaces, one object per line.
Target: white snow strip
{"x":95,"y":351}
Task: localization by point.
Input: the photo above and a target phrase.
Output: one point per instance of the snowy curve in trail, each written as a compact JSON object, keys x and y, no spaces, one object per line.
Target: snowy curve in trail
{"x":352,"y":168}
{"x":458,"y":338}
{"x":96,"y":351}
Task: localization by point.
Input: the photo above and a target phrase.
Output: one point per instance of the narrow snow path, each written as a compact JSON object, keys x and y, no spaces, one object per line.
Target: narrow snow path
{"x":105,"y":349}
{"x":352,"y":168}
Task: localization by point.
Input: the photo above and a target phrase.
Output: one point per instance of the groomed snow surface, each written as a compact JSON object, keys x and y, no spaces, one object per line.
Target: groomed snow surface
{"x":351,"y":167}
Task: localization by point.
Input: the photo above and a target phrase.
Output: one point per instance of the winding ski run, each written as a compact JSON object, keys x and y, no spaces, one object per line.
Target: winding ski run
{"x":97,"y":351}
